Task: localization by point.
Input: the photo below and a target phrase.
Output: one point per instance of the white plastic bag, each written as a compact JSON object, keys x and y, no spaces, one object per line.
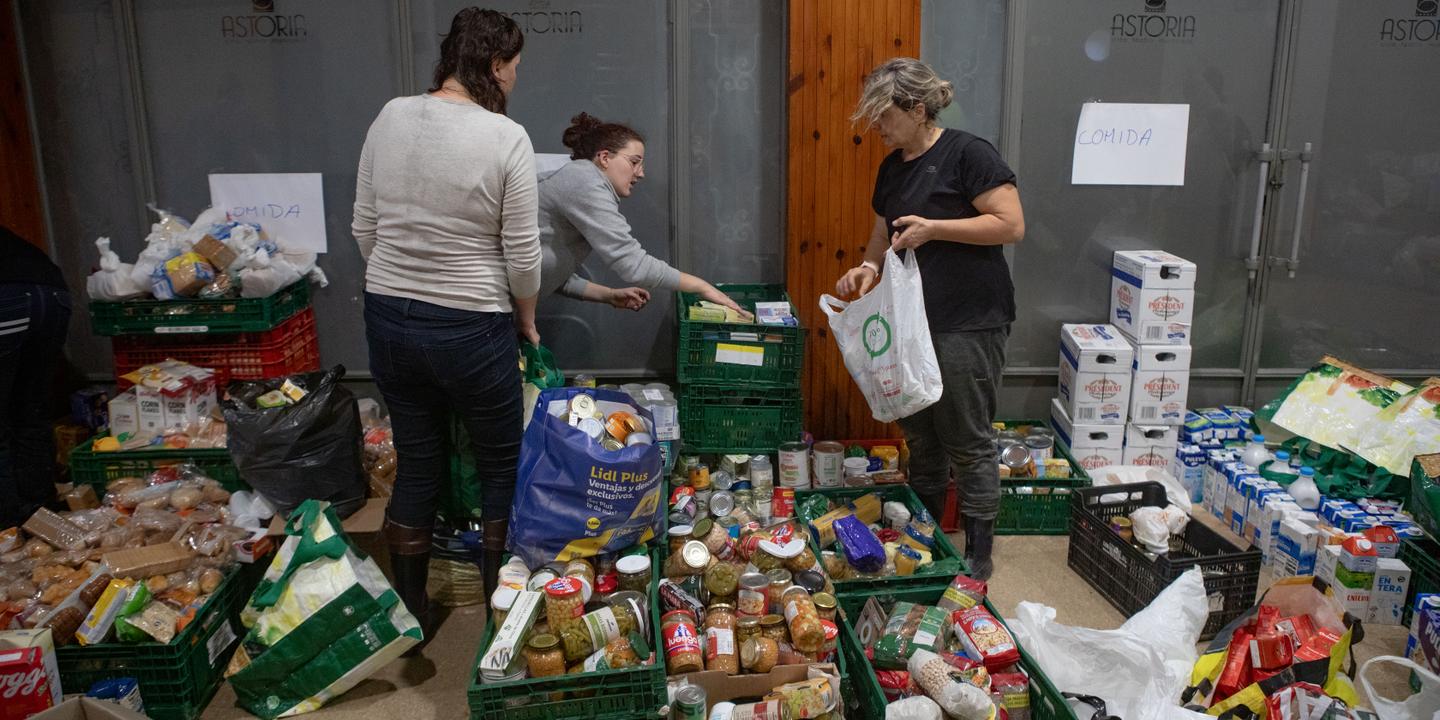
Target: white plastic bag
{"x":164,"y":242}
{"x":1126,"y":474}
{"x":1139,"y":669}
{"x":264,"y":276}
{"x":913,"y":708}
{"x":1153,"y":526}
{"x":1424,"y":705}
{"x":885,"y":339}
{"x":113,"y":281}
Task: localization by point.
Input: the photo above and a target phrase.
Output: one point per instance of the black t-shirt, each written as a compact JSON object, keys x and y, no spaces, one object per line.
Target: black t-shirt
{"x":967,"y":287}
{"x":26,"y":264}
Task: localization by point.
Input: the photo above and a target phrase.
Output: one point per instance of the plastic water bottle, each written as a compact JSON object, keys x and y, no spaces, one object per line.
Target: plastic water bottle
{"x":1306,"y":495}
{"x":1281,"y":466}
{"x":1255,"y":455}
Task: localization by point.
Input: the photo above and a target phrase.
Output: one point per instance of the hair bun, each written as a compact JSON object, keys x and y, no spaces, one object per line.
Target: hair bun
{"x":580,"y":126}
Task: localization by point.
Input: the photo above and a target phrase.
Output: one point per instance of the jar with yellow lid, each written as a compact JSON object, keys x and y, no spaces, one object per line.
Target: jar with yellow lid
{"x":543,"y":656}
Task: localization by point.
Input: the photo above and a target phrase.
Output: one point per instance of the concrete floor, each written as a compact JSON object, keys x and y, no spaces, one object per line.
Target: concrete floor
{"x":1027,"y":568}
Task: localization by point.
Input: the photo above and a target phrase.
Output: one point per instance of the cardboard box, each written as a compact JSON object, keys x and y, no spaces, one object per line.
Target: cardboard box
{"x":143,"y":562}
{"x":29,"y":674}
{"x":720,"y":687}
{"x":1092,"y":446}
{"x":219,"y":255}
{"x":1152,"y":296}
{"x":1150,"y":445}
{"x":1095,"y":374}
{"x":86,"y":708}
{"x":124,"y":416}
{"x":1387,"y":596}
{"x":151,"y":406}
{"x":1160,"y":385}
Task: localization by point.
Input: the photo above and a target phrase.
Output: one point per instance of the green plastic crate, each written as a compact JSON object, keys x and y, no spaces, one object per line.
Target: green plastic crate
{"x":1422,"y":556}
{"x":782,"y":348}
{"x":196,"y":316}
{"x":722,"y":420}
{"x":947,"y":561}
{"x":1038,"y":506}
{"x":625,"y":694}
{"x":1046,"y":702}
{"x":99,"y":468}
{"x":177,"y":679}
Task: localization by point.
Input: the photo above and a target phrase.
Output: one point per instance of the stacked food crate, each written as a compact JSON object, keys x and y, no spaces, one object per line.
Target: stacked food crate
{"x":739,"y":381}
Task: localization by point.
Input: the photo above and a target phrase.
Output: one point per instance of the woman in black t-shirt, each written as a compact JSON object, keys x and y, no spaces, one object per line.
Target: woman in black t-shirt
{"x":947,"y":196}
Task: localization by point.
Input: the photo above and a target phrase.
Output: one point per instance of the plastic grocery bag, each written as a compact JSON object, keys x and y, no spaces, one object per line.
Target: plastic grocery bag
{"x":1424,"y":502}
{"x":264,"y":275}
{"x":592,"y":500}
{"x":164,"y":242}
{"x":538,"y":372}
{"x":310,"y":448}
{"x":322,"y":619}
{"x":1408,"y":427}
{"x":113,"y":280}
{"x":885,"y":340}
{"x":1423,"y":705}
{"x":1139,"y":669}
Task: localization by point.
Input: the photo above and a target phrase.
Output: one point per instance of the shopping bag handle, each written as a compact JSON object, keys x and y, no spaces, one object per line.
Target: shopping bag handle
{"x":307,"y":550}
{"x":831,"y":305}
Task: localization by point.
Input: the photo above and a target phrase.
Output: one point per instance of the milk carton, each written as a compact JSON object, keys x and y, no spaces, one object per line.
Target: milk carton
{"x":1355,"y":600}
{"x":1295,"y":548}
{"x":1188,"y":466}
{"x":1215,"y":462}
{"x":1423,"y":643}
{"x":1152,"y":296}
{"x":1387,"y":597}
{"x":1242,"y":491}
{"x":1327,"y":558}
{"x":124,"y":416}
{"x":1092,"y":446}
{"x":1274,"y":512}
{"x":1150,"y":445}
{"x":1195,"y":428}
{"x":1357,"y":554}
{"x":1160,"y":385}
{"x":1242,"y":415}
{"x":1223,"y":426}
{"x":1095,"y":374}
{"x":1255,"y":517}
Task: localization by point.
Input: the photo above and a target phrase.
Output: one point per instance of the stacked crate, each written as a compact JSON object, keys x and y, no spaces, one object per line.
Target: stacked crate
{"x":739,"y":382}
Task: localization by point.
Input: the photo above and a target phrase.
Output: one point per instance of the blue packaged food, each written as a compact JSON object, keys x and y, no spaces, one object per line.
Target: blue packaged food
{"x":861,"y":548}
{"x":123,"y":691}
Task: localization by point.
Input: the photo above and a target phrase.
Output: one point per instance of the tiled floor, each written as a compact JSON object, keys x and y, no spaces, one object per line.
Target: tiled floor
{"x":1027,"y":568}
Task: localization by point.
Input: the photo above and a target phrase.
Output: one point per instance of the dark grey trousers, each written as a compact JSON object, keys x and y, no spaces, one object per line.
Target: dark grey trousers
{"x":957,"y":433}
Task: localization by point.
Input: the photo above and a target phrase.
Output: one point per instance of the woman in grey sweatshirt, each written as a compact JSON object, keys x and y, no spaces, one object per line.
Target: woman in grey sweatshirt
{"x":580,"y":213}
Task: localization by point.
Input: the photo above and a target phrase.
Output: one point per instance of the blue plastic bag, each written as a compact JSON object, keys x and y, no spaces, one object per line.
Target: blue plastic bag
{"x":574,"y":498}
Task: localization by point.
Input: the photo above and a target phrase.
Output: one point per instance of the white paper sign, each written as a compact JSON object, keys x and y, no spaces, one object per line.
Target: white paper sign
{"x":1130,"y":144}
{"x":289,"y":207}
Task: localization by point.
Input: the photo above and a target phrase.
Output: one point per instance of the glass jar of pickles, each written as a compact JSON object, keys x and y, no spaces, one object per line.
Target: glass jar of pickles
{"x":543,"y":657}
{"x":806,"y":632}
{"x":802,"y":560}
{"x":634,"y":573}
{"x":597,"y":628}
{"x":824,"y":605}
{"x":722,"y":579}
{"x":773,"y":627}
{"x":720,"y":650}
{"x":563,"y":604}
{"x":746,"y":628}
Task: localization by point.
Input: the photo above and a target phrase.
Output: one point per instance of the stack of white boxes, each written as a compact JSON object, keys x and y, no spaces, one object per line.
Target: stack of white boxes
{"x":1123,"y":386}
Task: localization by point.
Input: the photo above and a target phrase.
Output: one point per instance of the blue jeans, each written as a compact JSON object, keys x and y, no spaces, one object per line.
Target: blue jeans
{"x":430,"y":361}
{"x":33,"y":323}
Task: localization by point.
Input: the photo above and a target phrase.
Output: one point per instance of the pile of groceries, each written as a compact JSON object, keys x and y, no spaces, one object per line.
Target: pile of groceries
{"x":170,"y":405}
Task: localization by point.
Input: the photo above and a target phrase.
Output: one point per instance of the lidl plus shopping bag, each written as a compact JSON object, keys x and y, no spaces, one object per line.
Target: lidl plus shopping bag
{"x":885,"y":340}
{"x":322,"y":619}
{"x":574,"y":498}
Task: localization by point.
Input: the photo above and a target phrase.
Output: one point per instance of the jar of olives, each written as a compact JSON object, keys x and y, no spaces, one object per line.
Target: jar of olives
{"x":634,"y":573}
{"x":722,"y":579}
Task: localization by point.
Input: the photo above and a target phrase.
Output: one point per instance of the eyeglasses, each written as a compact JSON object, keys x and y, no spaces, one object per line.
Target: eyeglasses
{"x":636,"y":161}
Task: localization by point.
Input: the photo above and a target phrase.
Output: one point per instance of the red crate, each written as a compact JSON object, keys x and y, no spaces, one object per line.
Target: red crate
{"x":292,"y":346}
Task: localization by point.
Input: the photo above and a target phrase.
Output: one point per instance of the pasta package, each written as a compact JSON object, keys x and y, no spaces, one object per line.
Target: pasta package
{"x":985,"y":639}
{"x":911,"y":627}
{"x":963,"y":594}
{"x":861,"y":548}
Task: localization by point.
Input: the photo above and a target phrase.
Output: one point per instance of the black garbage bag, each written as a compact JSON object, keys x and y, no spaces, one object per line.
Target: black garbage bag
{"x":304,"y":449}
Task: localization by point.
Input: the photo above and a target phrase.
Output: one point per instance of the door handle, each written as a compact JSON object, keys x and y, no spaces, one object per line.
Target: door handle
{"x":1306,"y":155}
{"x":1265,"y":155}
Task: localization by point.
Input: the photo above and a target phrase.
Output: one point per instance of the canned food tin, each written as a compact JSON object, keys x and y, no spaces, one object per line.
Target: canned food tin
{"x":700,"y":476}
{"x":1042,"y":431}
{"x":690,"y":703}
{"x":583,"y":380}
{"x":695,"y":555}
{"x":1017,"y":458}
{"x":618,"y":425}
{"x":1041,"y":448}
{"x":829,"y":457}
{"x":722,"y":503}
{"x":611,"y":444}
{"x":638,"y":438}
{"x":721,"y":480}
{"x":761,"y":473}
{"x":731,"y":525}
{"x":1009,"y":436}
{"x":592,"y":428}
{"x":582,"y":406}
{"x":794,"y":465}
{"x":782,"y":503}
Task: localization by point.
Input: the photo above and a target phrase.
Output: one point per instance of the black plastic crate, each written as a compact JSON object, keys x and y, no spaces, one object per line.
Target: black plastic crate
{"x":1130,"y":579}
{"x":1422,"y":556}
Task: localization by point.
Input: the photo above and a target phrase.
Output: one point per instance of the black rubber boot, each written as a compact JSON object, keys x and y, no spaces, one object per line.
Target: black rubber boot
{"x":979,"y":546}
{"x":495,"y":534}
{"x":410,"y":569}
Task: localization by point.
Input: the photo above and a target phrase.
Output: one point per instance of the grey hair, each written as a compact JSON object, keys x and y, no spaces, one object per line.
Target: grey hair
{"x":905,"y":83}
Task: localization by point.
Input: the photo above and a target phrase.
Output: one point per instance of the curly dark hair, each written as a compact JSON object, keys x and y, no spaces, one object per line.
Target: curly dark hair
{"x":587,"y":135}
{"x":478,"y":38}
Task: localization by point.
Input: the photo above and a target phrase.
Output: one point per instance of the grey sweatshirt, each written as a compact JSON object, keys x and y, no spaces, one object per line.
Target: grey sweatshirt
{"x":445,"y":206}
{"x":580,"y":212}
